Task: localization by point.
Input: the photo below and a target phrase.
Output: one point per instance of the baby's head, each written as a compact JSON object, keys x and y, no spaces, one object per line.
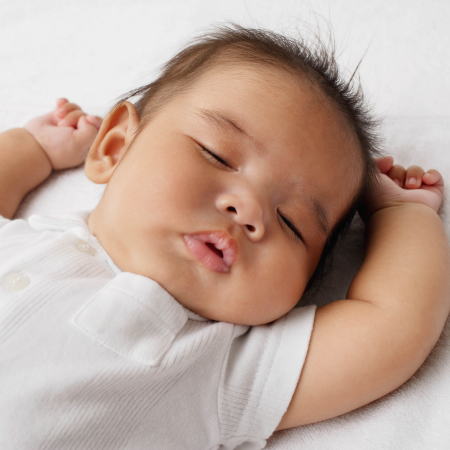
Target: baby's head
{"x":233,"y":173}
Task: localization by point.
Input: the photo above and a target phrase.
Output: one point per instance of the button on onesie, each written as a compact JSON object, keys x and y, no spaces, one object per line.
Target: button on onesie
{"x":84,"y":247}
{"x":15,"y":281}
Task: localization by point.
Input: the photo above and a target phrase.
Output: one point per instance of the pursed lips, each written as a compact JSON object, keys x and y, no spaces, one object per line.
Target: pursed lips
{"x":216,"y":250}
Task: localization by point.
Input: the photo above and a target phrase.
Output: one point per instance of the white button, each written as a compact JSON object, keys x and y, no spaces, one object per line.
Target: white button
{"x":15,"y":281}
{"x":84,"y":247}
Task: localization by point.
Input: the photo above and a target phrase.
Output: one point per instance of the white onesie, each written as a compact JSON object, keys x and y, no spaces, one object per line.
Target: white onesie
{"x":95,"y":358}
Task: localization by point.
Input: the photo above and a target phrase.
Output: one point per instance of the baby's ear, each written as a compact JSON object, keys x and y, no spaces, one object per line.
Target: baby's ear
{"x":111,"y":143}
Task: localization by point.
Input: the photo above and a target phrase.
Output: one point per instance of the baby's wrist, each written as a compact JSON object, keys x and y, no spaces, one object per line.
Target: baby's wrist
{"x":369,"y":209}
{"x":402,"y":207}
{"x":27,"y":138}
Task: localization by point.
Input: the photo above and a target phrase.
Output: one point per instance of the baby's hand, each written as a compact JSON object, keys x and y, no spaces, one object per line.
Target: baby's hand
{"x":398,"y":185}
{"x":65,"y":134}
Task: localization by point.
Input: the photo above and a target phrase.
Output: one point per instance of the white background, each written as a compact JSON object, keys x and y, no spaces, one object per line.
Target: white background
{"x":91,"y":51}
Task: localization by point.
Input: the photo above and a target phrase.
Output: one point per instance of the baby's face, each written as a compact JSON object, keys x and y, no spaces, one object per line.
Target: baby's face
{"x":227,"y":195}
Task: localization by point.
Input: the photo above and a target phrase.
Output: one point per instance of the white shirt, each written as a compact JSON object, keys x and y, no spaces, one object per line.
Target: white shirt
{"x":95,"y":358}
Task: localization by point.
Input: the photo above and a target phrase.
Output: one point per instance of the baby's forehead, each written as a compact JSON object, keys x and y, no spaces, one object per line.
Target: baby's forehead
{"x":273,"y":88}
{"x":258,"y":73}
{"x":259,"y":80}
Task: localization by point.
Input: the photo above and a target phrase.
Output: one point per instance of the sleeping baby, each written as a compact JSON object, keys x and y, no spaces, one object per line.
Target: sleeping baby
{"x":166,"y":317}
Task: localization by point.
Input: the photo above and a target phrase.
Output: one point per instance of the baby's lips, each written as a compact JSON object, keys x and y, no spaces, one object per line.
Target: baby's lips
{"x":222,"y":241}
{"x":225,"y":243}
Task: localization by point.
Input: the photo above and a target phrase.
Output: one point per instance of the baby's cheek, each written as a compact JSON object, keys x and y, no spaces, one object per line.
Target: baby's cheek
{"x":291,"y":277}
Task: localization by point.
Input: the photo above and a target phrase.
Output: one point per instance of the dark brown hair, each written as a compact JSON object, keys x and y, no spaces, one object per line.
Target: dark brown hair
{"x":314,"y":63}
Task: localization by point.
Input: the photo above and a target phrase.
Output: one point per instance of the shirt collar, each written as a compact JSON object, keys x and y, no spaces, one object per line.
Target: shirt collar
{"x":77,"y":223}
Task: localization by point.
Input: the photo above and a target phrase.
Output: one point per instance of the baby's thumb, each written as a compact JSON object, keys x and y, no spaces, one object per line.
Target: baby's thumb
{"x":85,"y":133}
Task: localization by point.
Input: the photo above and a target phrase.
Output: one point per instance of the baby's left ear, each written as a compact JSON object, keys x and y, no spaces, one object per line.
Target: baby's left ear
{"x":111,"y":143}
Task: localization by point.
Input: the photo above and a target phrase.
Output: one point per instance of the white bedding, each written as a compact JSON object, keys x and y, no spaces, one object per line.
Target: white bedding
{"x":51,"y":49}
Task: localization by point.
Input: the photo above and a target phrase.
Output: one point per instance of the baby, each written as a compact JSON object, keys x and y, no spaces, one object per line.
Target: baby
{"x":165,"y":317}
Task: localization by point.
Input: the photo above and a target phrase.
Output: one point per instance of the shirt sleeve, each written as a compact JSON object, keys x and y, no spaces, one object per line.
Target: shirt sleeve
{"x":261,"y":374}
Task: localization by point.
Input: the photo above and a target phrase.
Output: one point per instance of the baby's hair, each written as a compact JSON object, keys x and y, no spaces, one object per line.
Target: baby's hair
{"x":314,"y":63}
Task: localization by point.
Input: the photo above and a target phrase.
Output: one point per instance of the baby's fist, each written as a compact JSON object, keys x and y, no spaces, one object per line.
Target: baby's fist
{"x":399,"y":185}
{"x":65,"y":134}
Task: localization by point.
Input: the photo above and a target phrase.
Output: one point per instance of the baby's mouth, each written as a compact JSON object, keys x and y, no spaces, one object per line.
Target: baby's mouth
{"x":216,"y":250}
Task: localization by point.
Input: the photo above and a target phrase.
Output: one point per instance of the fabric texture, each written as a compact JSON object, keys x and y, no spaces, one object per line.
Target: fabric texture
{"x":95,"y":358}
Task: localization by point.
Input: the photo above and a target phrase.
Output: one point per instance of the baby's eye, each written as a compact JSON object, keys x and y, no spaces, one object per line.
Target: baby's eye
{"x":215,"y":159}
{"x":295,"y":233}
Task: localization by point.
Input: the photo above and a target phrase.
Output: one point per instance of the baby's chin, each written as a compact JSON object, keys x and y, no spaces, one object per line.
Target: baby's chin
{"x":242,"y":304}
{"x":239,"y":312}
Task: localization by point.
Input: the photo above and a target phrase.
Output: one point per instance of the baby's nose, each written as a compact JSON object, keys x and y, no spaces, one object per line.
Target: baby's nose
{"x":246,"y":211}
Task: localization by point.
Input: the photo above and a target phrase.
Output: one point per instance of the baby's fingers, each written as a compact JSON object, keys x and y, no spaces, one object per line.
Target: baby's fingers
{"x":397,"y":174}
{"x":414,"y":176}
{"x":71,"y":119}
{"x":95,"y":120}
{"x":433,"y":177}
{"x":60,"y":102}
{"x":85,"y":134}
{"x":384,"y":163}
{"x":63,"y":108}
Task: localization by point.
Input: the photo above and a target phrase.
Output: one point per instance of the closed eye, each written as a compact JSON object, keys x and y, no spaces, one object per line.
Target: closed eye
{"x":294,"y":232}
{"x":215,"y":159}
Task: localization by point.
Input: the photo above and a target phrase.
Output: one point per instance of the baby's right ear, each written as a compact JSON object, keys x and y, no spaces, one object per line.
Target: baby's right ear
{"x":111,"y":143}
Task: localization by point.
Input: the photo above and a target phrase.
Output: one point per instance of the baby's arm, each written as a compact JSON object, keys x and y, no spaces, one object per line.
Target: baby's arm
{"x":57,"y":140}
{"x":368,"y":345}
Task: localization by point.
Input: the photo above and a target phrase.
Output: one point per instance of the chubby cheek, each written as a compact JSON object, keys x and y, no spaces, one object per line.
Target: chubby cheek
{"x":278,"y":289}
{"x":164,"y":187}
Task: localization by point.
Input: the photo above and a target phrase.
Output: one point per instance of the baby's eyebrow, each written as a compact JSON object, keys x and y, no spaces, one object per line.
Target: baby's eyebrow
{"x":314,"y":207}
{"x":223,"y":121}
{"x":321,"y":217}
